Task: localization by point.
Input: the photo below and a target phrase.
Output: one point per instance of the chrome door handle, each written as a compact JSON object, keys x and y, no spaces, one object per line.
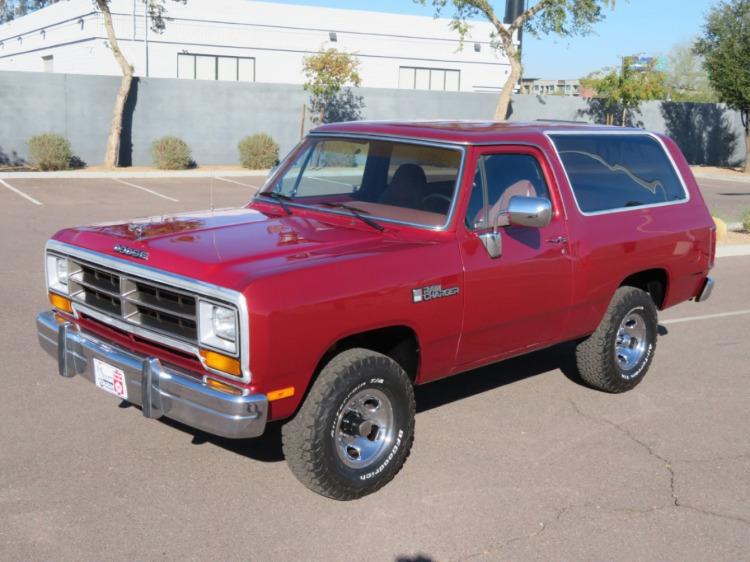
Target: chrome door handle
{"x":558,"y":240}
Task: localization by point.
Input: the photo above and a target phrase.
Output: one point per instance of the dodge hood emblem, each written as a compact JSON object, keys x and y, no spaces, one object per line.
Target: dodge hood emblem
{"x":136,"y":228}
{"x":132,"y":252}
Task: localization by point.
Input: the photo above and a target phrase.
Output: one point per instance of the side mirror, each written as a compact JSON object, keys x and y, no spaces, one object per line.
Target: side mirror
{"x":534,"y":212}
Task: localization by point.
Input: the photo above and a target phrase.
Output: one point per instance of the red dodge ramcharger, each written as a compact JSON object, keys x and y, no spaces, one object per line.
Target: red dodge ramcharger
{"x":376,"y":257}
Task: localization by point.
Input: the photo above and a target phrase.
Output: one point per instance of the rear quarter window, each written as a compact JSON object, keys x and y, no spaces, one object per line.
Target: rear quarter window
{"x":610,"y":172}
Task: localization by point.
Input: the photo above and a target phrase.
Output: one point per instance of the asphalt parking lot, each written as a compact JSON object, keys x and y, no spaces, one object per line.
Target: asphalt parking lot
{"x":727,"y":199}
{"x":513,"y":461}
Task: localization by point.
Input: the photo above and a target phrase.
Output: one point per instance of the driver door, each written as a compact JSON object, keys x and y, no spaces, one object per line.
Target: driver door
{"x":521,"y":299}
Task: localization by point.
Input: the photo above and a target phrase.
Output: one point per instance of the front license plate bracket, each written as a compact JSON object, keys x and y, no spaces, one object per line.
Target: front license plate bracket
{"x":110,"y":379}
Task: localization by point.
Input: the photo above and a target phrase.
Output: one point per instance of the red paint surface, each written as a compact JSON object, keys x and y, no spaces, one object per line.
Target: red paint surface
{"x":314,"y":278}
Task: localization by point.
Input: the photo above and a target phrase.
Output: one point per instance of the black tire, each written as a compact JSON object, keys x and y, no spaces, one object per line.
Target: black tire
{"x":313,"y":441}
{"x":596,"y":359}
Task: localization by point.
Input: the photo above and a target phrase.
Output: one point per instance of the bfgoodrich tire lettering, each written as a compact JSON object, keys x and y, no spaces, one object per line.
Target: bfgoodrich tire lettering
{"x":617,"y":356}
{"x":355,"y":429}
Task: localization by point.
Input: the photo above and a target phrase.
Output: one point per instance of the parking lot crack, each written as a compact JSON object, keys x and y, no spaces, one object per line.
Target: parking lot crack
{"x":667,"y":463}
{"x":635,"y":439}
{"x":711,"y":513}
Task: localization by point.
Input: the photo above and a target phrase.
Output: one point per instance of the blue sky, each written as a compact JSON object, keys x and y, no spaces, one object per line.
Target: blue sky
{"x":635,"y":26}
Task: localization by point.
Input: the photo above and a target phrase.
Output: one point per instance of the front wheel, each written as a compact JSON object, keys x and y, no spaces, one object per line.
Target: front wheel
{"x":618,"y":354}
{"x":355,"y":429}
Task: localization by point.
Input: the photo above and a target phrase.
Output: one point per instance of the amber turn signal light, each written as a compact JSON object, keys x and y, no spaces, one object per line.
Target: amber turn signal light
{"x":281,"y":393}
{"x":223,"y":387}
{"x":220,"y":362}
{"x":60,"y":302}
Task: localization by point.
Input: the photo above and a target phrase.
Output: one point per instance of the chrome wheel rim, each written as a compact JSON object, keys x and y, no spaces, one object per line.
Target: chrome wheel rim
{"x":364,"y":428}
{"x":631,"y":341}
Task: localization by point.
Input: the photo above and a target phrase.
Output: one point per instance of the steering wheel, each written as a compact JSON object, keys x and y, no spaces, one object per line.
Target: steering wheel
{"x":436,"y":203}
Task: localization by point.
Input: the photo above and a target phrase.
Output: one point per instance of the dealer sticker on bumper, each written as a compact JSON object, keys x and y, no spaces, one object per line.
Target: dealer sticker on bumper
{"x":110,"y":378}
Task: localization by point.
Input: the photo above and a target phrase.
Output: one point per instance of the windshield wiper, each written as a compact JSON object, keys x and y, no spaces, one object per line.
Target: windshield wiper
{"x":280,"y":197}
{"x":355,"y":212}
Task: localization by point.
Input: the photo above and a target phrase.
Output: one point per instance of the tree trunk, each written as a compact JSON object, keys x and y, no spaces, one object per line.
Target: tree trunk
{"x":112,"y":156}
{"x":302,"y":121}
{"x":115,"y":130}
{"x":745,"y":115}
{"x":624,"y":115}
{"x":503,"y":104}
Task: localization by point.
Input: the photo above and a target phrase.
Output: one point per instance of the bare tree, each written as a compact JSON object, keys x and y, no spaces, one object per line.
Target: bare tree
{"x":155,"y":11}
{"x":561,"y":17}
{"x":112,"y":154}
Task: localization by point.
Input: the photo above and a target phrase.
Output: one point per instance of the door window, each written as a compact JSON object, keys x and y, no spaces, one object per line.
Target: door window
{"x":498,"y":178}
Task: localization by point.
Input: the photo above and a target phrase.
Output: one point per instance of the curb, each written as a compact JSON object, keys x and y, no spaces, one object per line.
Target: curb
{"x":719,"y":177}
{"x":74,"y":174}
{"x":732,"y":250}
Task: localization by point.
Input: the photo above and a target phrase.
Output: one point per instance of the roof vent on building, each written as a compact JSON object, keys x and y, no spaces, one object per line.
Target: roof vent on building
{"x":477,"y":47}
{"x":43,"y":33}
{"x":2,"y":45}
{"x":80,"y":22}
{"x":20,"y":39}
{"x":332,"y":37}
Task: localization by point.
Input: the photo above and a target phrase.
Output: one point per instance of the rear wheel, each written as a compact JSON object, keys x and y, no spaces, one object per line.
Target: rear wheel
{"x":616,"y":357}
{"x":354,"y":430}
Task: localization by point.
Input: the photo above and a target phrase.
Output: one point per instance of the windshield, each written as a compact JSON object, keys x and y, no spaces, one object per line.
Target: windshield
{"x":400,"y":181}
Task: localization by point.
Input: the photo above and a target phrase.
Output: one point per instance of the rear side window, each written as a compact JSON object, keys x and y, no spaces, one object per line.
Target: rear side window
{"x":609,"y":172}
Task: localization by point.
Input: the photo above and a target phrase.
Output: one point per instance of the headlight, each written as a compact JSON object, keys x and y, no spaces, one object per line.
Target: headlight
{"x":223,"y":323}
{"x":57,"y":273}
{"x":218,"y":326}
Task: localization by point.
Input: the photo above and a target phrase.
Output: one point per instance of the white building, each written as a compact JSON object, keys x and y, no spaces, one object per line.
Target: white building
{"x":253,"y":41}
{"x":542,"y":87}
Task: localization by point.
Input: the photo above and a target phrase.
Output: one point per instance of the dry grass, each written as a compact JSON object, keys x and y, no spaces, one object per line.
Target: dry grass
{"x":736,"y":238}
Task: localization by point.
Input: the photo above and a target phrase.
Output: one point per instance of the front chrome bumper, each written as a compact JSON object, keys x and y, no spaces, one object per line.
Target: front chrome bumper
{"x":160,"y":390}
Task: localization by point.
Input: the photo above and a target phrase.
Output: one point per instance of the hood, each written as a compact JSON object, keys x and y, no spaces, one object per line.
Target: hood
{"x":227,"y":247}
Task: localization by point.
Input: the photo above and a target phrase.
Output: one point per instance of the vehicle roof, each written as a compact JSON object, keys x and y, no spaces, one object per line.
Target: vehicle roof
{"x":464,"y":132}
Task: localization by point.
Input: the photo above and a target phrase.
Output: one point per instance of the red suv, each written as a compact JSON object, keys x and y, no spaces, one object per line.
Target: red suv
{"x":379,"y":256}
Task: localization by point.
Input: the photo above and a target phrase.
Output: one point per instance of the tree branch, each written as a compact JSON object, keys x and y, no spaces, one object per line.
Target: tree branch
{"x":528,"y":14}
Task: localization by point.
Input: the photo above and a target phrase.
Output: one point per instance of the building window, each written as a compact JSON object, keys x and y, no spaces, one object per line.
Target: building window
{"x":418,"y":78}
{"x":215,"y":67}
{"x":48,"y":63}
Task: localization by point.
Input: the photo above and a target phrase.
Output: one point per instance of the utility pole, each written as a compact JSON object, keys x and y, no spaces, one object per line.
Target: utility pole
{"x":145,"y":32}
{"x":513,"y":9}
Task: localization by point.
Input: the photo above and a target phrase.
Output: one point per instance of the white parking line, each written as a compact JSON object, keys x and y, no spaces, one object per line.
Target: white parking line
{"x":21,"y":193}
{"x":706,"y":317}
{"x":151,"y":191}
{"x":238,"y":182}
{"x":337,"y":182}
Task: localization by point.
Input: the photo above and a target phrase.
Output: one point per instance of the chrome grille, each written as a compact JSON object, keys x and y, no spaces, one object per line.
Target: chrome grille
{"x":134,"y":300}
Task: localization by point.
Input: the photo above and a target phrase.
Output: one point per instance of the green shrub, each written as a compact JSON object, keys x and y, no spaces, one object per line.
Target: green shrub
{"x":50,"y":152}
{"x":746,"y":220}
{"x":171,"y":153}
{"x":258,"y":152}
